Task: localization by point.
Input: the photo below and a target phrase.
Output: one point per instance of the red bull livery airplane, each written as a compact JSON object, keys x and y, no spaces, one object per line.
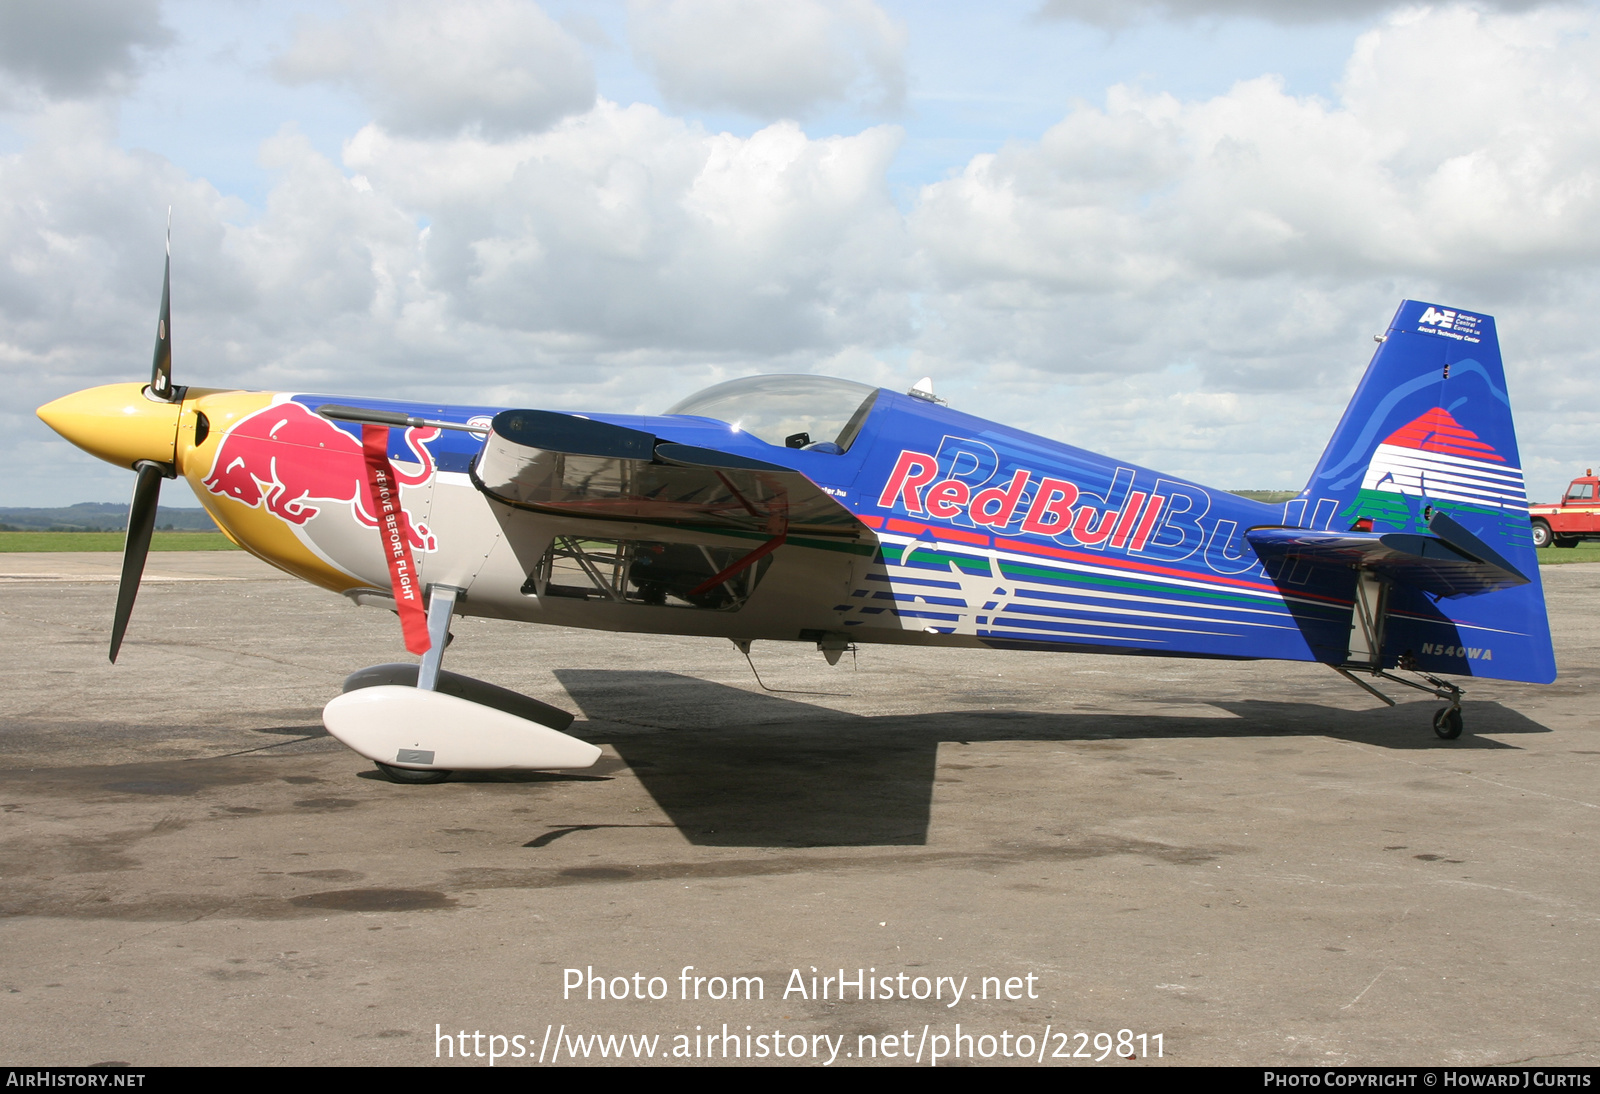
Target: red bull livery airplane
{"x":801,"y":508}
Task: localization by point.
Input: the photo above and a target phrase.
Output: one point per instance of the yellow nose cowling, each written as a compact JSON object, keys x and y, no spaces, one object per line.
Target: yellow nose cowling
{"x":118,"y":423}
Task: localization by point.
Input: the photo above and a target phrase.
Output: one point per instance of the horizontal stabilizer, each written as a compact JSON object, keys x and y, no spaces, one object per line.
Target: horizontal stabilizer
{"x":562,"y":464}
{"x":1460,"y":565}
{"x":1449,"y":529}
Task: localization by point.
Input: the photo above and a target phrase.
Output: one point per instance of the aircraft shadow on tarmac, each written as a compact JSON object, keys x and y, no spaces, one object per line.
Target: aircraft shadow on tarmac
{"x":743,"y":769}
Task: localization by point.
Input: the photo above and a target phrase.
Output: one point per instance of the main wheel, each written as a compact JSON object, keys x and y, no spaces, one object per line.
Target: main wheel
{"x":1541,"y":534}
{"x":422,"y":778}
{"x":1447,"y":723}
{"x":1566,"y":541}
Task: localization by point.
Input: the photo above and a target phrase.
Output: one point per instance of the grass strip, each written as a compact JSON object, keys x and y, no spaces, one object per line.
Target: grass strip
{"x":111,"y":541}
{"x":1583,"y":552}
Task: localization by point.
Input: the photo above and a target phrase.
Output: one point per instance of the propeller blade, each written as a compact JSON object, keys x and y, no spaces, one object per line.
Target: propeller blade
{"x":161,"y":367}
{"x":141,"y":524}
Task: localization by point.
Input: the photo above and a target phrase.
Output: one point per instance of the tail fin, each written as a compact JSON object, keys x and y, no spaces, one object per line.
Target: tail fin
{"x":1429,"y":431}
{"x":1430,"y":424}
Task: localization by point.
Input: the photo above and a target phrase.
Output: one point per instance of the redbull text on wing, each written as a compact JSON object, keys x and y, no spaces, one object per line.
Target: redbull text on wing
{"x":287,"y":459}
{"x":1028,"y":503}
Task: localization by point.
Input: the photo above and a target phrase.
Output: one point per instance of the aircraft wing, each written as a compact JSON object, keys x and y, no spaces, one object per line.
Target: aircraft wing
{"x":1449,"y":562}
{"x":565,"y":464}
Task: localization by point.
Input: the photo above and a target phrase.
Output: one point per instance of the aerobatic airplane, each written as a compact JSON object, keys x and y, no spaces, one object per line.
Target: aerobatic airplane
{"x":802,"y":508}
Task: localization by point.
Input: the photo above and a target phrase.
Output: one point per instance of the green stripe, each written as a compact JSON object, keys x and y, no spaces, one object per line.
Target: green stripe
{"x":1013,"y":568}
{"x":1392,"y":509}
{"x":894,"y":555}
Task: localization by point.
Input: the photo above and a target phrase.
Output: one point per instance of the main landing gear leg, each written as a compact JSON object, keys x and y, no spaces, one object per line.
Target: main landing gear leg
{"x":1447,"y":723}
{"x":441,"y":606}
{"x":424,"y":716}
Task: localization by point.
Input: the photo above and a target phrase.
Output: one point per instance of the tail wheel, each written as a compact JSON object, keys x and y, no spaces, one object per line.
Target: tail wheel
{"x":1447,"y":723}
{"x":1541,"y":534}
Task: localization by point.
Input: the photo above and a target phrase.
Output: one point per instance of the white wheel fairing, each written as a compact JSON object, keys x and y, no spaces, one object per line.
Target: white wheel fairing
{"x":428,"y":730}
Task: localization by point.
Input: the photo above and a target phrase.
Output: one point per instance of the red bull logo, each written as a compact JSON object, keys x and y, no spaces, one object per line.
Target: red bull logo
{"x":293,"y":463}
{"x":1045,"y":506}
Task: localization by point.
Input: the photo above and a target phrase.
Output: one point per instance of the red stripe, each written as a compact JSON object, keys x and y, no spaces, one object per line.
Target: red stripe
{"x":1129,"y":564}
{"x":897,"y":525}
{"x":1438,"y":431}
{"x":960,"y":536}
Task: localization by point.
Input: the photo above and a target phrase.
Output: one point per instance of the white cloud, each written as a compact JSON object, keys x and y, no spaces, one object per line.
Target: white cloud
{"x":1190,"y":284}
{"x":770,"y":60}
{"x":625,"y":229}
{"x":591,"y":257}
{"x":1256,"y":239}
{"x":1119,"y":13}
{"x":70,"y":49}
{"x":496,"y":67}
{"x":1464,"y":147}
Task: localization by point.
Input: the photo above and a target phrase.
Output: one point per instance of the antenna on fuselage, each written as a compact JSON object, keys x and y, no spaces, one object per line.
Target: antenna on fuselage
{"x":923,"y":389}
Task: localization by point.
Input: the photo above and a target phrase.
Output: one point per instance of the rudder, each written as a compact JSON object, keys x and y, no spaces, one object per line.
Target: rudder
{"x":1430,"y":430}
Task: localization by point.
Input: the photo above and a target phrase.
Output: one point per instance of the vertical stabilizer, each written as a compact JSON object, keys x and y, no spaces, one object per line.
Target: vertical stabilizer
{"x":1429,"y":431}
{"x":1430,"y":424}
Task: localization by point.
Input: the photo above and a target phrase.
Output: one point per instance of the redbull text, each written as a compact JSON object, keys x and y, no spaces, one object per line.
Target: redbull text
{"x":1028,"y":503}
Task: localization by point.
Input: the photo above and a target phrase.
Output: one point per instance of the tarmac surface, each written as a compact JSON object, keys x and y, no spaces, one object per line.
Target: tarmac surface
{"x":1255,"y":861}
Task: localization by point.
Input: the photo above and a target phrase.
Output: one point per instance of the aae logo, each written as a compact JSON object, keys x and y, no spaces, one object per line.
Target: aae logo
{"x":1445,"y":319}
{"x":1460,"y":325}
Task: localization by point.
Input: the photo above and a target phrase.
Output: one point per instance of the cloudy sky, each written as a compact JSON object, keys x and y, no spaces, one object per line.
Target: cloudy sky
{"x":1162,"y":229}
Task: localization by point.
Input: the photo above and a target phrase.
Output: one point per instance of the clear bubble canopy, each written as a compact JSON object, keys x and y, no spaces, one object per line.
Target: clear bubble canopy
{"x":777,"y":409}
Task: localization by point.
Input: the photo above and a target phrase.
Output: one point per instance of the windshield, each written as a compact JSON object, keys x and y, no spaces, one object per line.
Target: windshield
{"x":779,"y":408}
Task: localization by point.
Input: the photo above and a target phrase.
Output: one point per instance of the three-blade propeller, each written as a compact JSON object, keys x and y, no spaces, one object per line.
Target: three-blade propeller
{"x":147,"y":488}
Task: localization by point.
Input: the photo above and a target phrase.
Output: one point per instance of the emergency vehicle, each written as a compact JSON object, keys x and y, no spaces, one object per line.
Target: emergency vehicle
{"x":1573,"y":519}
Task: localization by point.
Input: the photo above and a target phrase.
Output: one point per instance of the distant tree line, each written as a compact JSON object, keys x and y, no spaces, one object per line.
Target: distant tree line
{"x":99,"y":517}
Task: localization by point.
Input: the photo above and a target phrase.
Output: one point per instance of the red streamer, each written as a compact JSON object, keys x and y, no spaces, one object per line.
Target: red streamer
{"x":395,"y":528}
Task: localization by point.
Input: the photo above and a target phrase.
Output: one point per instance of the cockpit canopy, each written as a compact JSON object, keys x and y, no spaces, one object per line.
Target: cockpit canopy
{"x":778,"y":409}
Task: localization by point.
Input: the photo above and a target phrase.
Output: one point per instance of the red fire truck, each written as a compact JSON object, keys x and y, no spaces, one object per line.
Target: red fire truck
{"x":1573,"y":519}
